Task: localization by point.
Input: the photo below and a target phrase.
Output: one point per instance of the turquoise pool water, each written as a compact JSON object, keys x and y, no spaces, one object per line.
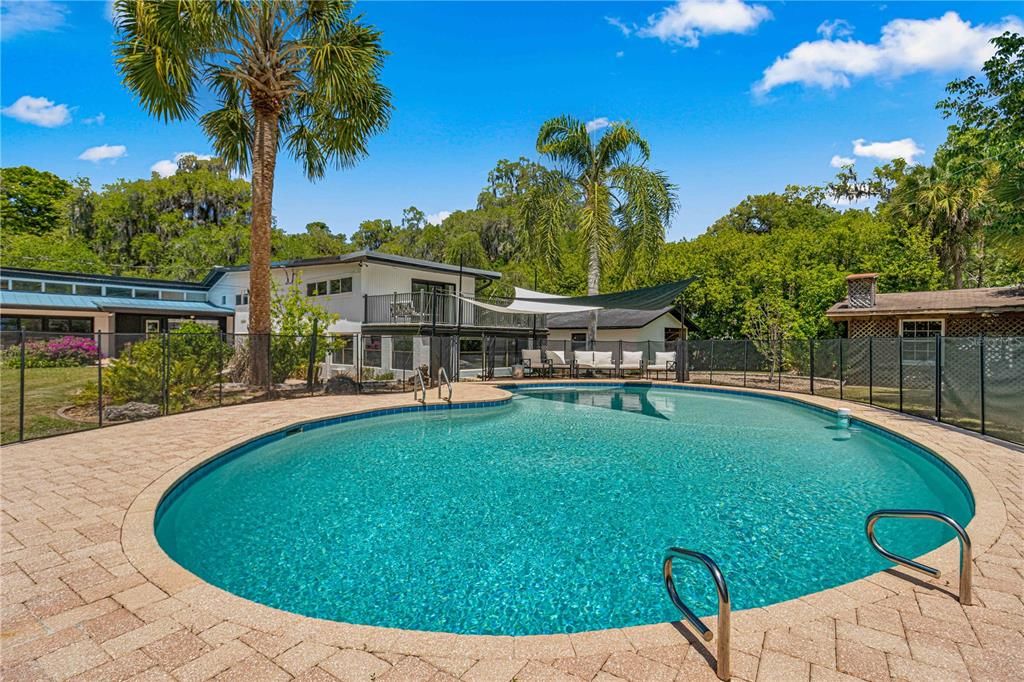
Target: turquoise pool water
{"x":551,"y":514}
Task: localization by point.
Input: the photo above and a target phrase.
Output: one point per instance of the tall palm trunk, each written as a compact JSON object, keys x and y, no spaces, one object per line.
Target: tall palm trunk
{"x":264,"y":160}
{"x":593,"y":274}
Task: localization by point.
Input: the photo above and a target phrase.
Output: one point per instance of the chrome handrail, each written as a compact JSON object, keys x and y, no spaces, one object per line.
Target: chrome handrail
{"x":421,"y":387}
{"x":965,"y":545}
{"x":724,"y":606}
{"x":442,"y":374}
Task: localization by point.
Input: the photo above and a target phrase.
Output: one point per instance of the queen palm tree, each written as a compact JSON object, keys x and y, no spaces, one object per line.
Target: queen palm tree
{"x":304,"y":75}
{"x":603,"y":189}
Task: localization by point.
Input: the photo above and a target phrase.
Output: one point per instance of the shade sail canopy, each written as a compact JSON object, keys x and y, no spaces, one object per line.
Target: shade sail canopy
{"x":539,"y":303}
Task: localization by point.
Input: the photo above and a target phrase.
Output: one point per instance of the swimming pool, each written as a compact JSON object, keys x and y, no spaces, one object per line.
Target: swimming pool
{"x":551,"y":513}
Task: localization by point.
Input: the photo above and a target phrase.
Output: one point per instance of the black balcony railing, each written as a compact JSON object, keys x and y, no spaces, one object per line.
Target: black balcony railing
{"x":439,"y":309}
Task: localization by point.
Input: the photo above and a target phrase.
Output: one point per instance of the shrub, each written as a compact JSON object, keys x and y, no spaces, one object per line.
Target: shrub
{"x":66,"y":351}
{"x":194,"y":353}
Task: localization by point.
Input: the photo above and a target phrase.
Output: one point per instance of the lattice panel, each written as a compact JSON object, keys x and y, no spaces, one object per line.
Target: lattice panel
{"x":1002,"y":325}
{"x":874,"y":326}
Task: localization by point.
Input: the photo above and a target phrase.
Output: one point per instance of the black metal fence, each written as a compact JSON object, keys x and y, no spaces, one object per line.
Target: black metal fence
{"x":58,"y":383}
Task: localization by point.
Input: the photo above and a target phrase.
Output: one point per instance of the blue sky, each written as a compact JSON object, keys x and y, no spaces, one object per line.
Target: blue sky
{"x":736,"y":98}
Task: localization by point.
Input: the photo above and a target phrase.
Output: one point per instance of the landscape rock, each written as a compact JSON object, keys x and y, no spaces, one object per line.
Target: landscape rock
{"x":340,"y":385}
{"x":130,"y":412}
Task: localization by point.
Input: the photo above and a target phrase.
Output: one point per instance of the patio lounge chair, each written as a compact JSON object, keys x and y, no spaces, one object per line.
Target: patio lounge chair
{"x":663,"y":362}
{"x":595,"y":361}
{"x":533,"y":361}
{"x":632,"y":361}
{"x":557,"y":362}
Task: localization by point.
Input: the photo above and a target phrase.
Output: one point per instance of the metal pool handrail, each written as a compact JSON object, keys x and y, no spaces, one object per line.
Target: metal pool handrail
{"x":724,"y":607}
{"x":965,"y":545}
{"x":419,"y":386}
{"x":442,"y":379}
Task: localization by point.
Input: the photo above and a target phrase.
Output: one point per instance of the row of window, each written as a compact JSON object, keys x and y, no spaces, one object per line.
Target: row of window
{"x":341,"y":285}
{"x":36,"y":286}
{"x":56,"y":325}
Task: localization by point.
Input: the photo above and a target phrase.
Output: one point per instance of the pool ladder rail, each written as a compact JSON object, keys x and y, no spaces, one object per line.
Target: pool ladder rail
{"x":443,"y":380}
{"x":419,"y":388}
{"x":724,"y":605}
{"x":965,"y":545}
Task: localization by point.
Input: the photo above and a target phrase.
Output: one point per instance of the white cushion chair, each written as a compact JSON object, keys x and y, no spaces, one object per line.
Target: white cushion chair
{"x":603,"y":361}
{"x":632,"y":361}
{"x":663,"y":362}
{"x":584,"y":359}
{"x":557,"y":361}
{"x":533,"y":360}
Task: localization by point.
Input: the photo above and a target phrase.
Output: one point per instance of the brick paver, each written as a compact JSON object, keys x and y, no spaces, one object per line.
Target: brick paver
{"x":87,"y":594}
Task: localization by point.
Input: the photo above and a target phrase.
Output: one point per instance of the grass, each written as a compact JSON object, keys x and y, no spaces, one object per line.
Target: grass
{"x":46,"y":391}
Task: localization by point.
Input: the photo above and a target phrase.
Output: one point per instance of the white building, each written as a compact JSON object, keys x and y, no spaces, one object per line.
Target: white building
{"x":636,"y":329}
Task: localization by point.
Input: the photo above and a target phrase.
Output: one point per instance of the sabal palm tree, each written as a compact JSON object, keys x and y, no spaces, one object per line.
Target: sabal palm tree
{"x":951,"y":203}
{"x":603,"y":189}
{"x":302,"y":75}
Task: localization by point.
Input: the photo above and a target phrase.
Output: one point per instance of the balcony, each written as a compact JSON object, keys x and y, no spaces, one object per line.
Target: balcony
{"x":427,"y":310}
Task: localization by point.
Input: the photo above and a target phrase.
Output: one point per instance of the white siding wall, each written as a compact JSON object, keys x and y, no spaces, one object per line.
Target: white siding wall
{"x":653,"y":331}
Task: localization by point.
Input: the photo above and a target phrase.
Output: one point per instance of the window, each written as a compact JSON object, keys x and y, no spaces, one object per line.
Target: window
{"x":172,"y":295}
{"x":195,"y":296}
{"x":88,"y":290}
{"x":58,"y":288}
{"x":918,"y":340}
{"x":316,"y":288}
{"x":53,"y":325}
{"x":341,"y":286}
{"x":346,"y":354}
{"x":401,"y":352}
{"x":120,"y":292}
{"x":5,"y":284}
{"x":9,"y":324}
{"x":579,"y":341}
{"x":223,"y":300}
{"x":671,"y":335}
{"x":371,"y":351}
{"x":148,"y":294}
{"x":25,"y":285}
{"x":242,"y":298}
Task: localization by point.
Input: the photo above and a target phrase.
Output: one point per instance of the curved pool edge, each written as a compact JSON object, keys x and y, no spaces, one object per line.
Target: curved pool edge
{"x":138,"y":540}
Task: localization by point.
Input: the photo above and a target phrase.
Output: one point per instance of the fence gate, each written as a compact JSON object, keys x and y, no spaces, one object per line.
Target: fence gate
{"x":442,"y":354}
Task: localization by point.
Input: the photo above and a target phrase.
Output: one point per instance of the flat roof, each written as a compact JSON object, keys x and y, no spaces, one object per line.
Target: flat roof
{"x":359,"y":257}
{"x":951,"y":301}
{"x":30,"y":299}
{"x":53,"y":275}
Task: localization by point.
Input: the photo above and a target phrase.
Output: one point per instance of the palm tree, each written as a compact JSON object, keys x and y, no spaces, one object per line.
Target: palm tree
{"x":951,"y":203}
{"x":301,"y":74}
{"x":605,"y":191}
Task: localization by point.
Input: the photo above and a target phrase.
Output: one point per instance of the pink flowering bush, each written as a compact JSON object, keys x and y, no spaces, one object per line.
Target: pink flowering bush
{"x":65,"y":351}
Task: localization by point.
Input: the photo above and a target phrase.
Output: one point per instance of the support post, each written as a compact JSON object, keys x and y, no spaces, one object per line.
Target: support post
{"x":165,"y":337}
{"x":871,"y":370}
{"x":312,"y":358}
{"x":981,"y":355}
{"x":938,"y":378}
{"x":21,"y":388}
{"x":746,"y":348}
{"x":711,"y":365}
{"x":220,"y":372}
{"x":270,"y":367}
{"x":842,"y":369}
{"x":99,"y":378}
{"x":900,"y":358}
{"x":811,"y":345}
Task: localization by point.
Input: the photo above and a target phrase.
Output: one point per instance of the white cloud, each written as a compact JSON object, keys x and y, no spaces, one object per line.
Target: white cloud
{"x":620,"y":54}
{"x":687,"y":21}
{"x":621,"y":25}
{"x":837,"y":28}
{"x":438,"y":218}
{"x":23,"y":16}
{"x":598,"y":123}
{"x":167,"y":167}
{"x":947,"y":43}
{"x":905,"y":149}
{"x":98,"y":119}
{"x":104,"y":152}
{"x":840,"y":161}
{"x":39,"y":111}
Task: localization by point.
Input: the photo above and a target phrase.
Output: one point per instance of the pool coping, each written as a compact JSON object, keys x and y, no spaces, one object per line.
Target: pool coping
{"x":139,"y":544}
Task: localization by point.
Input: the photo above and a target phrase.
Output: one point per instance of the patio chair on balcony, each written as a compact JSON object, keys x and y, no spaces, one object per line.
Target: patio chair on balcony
{"x":405,"y":312}
{"x":632,"y":361}
{"x":664,"y":362}
{"x":533,"y":362}
{"x":558,"y":363}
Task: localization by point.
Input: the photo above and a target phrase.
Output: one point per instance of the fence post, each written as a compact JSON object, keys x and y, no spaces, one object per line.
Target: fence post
{"x":99,"y":378}
{"x":900,"y":360}
{"x":311,"y":360}
{"x":871,"y":370}
{"x":711,"y":365}
{"x":220,"y":371}
{"x":270,"y":364}
{"x":842,"y":370}
{"x":746,"y":347}
{"x":358,"y":359}
{"x":938,"y":378}
{"x":21,"y":388}
{"x":811,"y":353}
{"x":165,"y":338}
{"x":981,"y":355}
{"x":778,"y":364}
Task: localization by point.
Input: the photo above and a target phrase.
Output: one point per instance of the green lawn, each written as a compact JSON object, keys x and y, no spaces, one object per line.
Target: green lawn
{"x":46,"y":391}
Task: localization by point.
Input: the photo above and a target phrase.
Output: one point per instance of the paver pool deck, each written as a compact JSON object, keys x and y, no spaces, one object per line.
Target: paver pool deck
{"x":88,"y":593}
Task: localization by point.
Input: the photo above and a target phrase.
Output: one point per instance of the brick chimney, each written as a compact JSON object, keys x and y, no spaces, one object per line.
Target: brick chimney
{"x":861,"y":289}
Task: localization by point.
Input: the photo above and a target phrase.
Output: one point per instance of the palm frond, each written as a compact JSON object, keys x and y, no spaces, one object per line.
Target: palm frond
{"x":564,"y":140}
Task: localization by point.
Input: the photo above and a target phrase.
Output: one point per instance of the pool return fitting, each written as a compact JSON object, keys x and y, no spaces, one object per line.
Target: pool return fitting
{"x":724,"y":608}
{"x":965,"y":545}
